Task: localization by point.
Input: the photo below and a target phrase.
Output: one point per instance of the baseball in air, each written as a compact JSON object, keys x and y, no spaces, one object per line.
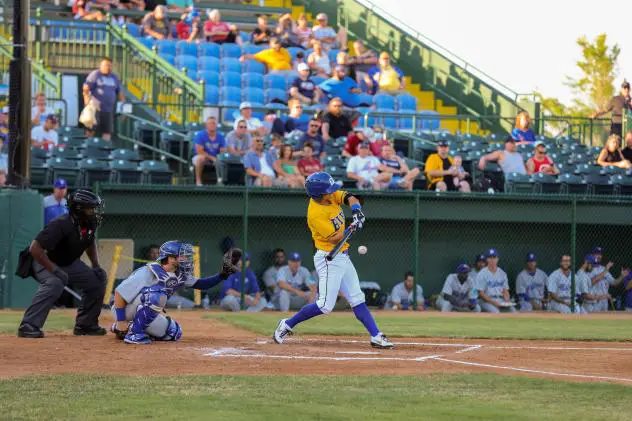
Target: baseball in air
{"x":362,"y":249}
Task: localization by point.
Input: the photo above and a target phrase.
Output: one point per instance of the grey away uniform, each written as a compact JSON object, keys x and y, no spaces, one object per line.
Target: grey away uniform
{"x":302,"y":279}
{"x":462,"y":292}
{"x":600,"y":288}
{"x":493,"y":285}
{"x":400,"y":295}
{"x":560,"y":285}
{"x":530,"y":288}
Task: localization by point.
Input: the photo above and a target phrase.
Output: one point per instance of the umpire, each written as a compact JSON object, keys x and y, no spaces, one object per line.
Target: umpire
{"x":54,"y":262}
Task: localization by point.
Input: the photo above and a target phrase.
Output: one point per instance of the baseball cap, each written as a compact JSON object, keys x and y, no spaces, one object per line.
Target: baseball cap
{"x":295,"y":257}
{"x":492,"y":253}
{"x":480,"y":258}
{"x":302,"y":67}
{"x":531,"y":257}
{"x":321,"y":16}
{"x":245,"y":104}
{"x":442,"y":143}
{"x":194,"y":13}
{"x":538,"y":143}
{"x":597,"y":250}
{"x":60,"y":183}
{"x":462,"y":268}
{"x":590,"y":259}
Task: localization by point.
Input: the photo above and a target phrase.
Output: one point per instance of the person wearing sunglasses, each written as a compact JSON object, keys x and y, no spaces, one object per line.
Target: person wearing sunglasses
{"x":259,"y":166}
{"x":239,"y":140}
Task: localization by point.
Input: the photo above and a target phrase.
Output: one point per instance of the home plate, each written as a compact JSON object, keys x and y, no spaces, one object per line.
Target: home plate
{"x":358,"y":352}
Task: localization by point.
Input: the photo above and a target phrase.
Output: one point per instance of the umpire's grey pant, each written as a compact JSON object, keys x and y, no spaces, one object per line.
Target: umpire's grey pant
{"x":80,"y":276}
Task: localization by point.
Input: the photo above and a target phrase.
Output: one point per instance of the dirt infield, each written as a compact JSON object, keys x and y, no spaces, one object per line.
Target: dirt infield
{"x":211,"y":347}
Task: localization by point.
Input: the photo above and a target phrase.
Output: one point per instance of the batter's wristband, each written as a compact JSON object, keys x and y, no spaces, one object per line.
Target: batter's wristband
{"x":120,"y":314}
{"x":356,"y":207}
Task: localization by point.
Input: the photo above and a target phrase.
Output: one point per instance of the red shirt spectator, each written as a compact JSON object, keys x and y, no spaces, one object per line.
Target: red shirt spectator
{"x":376,"y":146}
{"x":354,"y":139}
{"x":540,"y":162}
{"x":218,"y":31}
{"x":308,"y":164}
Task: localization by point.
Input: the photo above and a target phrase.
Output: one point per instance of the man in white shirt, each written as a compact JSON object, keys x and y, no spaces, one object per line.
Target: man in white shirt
{"x":255,"y":126}
{"x":363,"y":168}
{"x":45,"y":136}
{"x":40,"y":111}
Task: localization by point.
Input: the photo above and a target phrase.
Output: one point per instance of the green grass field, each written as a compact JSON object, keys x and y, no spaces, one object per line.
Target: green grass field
{"x":436,"y":325}
{"x":436,"y":397}
{"x":56,"y":322}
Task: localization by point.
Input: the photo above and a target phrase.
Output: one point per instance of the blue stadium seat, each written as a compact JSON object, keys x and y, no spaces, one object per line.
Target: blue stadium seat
{"x":147,"y":42}
{"x":208,"y":49}
{"x":209,"y":77}
{"x":276,"y":96}
{"x":230,"y":65}
{"x":365,"y":99}
{"x":406,"y":102}
{"x":229,"y":96}
{"x":211,"y":95}
{"x":253,"y":49}
{"x":276,"y":106}
{"x":168,"y":58}
{"x":186,"y":48}
{"x":125,"y":154}
{"x":187,"y":62}
{"x":133,"y":29}
{"x":428,"y":124}
{"x":229,"y":115}
{"x":253,"y":66}
{"x":294,"y":50}
{"x":208,"y":63}
{"x":252,"y":80}
{"x":406,"y":123}
{"x":124,"y":171}
{"x":274,"y":81}
{"x":384,"y":102}
{"x":166,"y":46}
{"x":230,"y":79}
{"x":387,"y":122}
{"x":230,"y":50}
{"x":155,"y":172}
{"x":253,"y":95}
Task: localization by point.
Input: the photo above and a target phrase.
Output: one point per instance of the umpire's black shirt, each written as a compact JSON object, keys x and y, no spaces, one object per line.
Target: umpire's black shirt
{"x":64,"y":241}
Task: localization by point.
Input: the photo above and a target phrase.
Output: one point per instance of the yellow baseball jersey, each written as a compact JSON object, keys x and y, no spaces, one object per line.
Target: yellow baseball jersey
{"x":325,"y":220}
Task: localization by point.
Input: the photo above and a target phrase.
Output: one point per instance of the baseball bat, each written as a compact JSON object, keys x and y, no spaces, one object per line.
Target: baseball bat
{"x":333,"y":253}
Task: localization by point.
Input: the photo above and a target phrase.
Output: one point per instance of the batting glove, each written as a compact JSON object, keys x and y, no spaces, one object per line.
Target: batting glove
{"x":358,"y":216}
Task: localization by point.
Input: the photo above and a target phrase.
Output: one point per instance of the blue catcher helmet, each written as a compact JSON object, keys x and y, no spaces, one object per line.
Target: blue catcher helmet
{"x":183,"y":251}
{"x":320,"y":183}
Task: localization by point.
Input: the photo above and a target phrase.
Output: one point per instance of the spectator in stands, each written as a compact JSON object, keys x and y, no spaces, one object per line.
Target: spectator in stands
{"x":285,"y":31}
{"x":540,"y":162}
{"x":335,"y":123}
{"x":401,"y":297}
{"x":342,"y":59}
{"x":295,"y":121}
{"x":522,"y":132}
{"x":230,"y":296}
{"x":611,"y":154}
{"x":530,"y":285}
{"x":509,"y":160}
{"x":343,"y":87}
{"x":326,"y":34}
{"x":190,"y":26}
{"x":458,"y":292}
{"x":276,"y":142}
{"x":295,"y":285}
{"x":207,"y":144}
{"x":440,"y":171}
{"x":261,"y":34}
{"x":255,"y":127}
{"x":55,"y":203}
{"x":308,"y":164}
{"x":299,"y":60}
{"x":270,"y":274}
{"x":363,"y":59}
{"x":377,"y":140}
{"x":363,"y":169}
{"x":286,"y":168}
{"x":313,"y":136}
{"x":318,"y":60}
{"x":45,"y":136}
{"x":276,"y":58}
{"x":627,"y":151}
{"x":303,"y":87}
{"x":238,"y":141}
{"x":493,"y":286}
{"x":618,"y":105}
{"x":357,"y":136}
{"x":259,"y":166}
{"x":395,"y":171}
{"x":156,"y":24}
{"x":219,"y":32}
{"x":303,"y":31}
{"x":104,"y":87}
{"x":40,"y":111}
{"x":87,"y":10}
{"x":385,"y":77}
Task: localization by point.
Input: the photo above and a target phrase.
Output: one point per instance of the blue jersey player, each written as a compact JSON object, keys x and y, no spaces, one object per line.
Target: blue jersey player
{"x":140,"y":299}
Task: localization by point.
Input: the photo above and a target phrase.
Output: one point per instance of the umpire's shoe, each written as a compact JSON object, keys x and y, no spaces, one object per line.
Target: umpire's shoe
{"x":89,"y":331}
{"x":29,"y":331}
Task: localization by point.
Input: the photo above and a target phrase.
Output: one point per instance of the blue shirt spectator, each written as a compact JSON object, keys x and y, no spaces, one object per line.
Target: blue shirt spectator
{"x":520,"y":135}
{"x":104,"y":86}
{"x":343,"y":87}
{"x":212,"y":146}
{"x":259,"y":165}
{"x":55,"y":204}
{"x":251,"y":286}
{"x":303,"y":87}
{"x":313,"y":135}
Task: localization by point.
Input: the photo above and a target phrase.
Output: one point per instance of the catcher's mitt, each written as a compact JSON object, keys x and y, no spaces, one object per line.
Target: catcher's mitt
{"x":229,"y":263}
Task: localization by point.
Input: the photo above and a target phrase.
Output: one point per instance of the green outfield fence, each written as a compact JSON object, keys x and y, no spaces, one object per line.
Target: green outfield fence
{"x":426,"y":232}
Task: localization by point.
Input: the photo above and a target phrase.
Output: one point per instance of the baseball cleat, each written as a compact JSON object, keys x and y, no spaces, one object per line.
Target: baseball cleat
{"x":281,"y":332}
{"x":28,"y":331}
{"x":137,"y":339}
{"x":381,"y":341}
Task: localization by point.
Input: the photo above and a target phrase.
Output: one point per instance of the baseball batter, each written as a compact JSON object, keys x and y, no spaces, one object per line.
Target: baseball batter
{"x":326,"y":220}
{"x":530,"y":285}
{"x":140,"y":299}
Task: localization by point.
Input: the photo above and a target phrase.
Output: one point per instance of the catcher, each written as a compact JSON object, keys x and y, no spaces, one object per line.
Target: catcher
{"x":140,"y":299}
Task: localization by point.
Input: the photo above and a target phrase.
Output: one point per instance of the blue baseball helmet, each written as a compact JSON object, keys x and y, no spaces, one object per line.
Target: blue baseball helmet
{"x":321,"y":183}
{"x":178,"y":249}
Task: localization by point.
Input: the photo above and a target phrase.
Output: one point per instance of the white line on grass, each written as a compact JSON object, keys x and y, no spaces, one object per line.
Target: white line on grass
{"x":527,"y":370}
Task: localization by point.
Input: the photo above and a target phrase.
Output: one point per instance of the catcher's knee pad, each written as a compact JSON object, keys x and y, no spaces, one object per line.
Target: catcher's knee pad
{"x":155,"y":298}
{"x":174,"y":331}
